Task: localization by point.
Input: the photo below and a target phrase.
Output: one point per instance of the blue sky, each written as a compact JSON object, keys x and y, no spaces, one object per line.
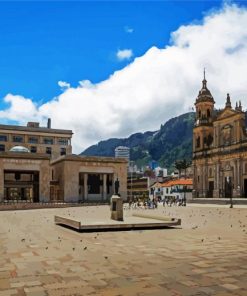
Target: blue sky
{"x":110,"y":69}
{"x":45,"y":42}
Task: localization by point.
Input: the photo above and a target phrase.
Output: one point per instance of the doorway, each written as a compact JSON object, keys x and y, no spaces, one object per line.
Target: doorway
{"x":245,"y":187}
{"x":21,"y":185}
{"x":210,"y":188}
{"x":228,"y":187}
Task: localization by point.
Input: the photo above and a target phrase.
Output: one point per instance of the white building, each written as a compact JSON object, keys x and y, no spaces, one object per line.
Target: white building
{"x":122,"y":152}
{"x":160,"y":172}
{"x":173,"y":189}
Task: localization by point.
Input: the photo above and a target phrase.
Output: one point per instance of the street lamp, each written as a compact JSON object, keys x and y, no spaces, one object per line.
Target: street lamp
{"x":229,"y":189}
{"x":184,"y":201}
{"x":131,"y":172}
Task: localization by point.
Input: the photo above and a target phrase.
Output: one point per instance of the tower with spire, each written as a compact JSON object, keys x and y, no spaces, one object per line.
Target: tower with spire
{"x":203,"y":131}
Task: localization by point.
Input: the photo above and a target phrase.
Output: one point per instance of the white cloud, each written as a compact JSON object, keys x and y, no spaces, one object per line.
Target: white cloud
{"x":124,"y":54}
{"x":154,"y":87}
{"x":128,"y":29}
{"x":63,"y":84}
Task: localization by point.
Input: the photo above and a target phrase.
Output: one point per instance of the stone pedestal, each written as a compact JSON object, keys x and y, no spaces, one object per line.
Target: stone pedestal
{"x":117,"y":208}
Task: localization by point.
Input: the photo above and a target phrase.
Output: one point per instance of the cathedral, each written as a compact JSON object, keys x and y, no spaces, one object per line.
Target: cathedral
{"x":219,"y":148}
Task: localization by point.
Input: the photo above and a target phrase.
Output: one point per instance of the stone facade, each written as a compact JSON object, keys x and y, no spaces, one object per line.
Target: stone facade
{"x":45,"y":140}
{"x":23,"y":162}
{"x":73,"y":172}
{"x":45,"y":177}
{"x":219,"y":148}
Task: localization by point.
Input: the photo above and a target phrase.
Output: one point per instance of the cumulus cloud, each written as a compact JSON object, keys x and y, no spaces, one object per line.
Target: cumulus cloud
{"x":162,"y":83}
{"x":63,"y":84}
{"x":124,"y":54}
{"x":128,"y":29}
{"x":20,"y":109}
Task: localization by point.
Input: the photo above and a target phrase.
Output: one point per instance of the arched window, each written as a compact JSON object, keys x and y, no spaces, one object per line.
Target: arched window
{"x":208,"y":113}
{"x":200,"y":113}
{"x":245,"y":168}
{"x":198,"y":140}
{"x":210,"y":140}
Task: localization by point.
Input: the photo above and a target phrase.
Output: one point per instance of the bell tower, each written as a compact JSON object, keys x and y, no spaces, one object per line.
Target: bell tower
{"x":203,"y":129}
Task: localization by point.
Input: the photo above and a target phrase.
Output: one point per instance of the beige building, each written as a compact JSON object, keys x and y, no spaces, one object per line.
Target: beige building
{"x":46,"y":140}
{"x":55,"y":174}
{"x":219,"y":148}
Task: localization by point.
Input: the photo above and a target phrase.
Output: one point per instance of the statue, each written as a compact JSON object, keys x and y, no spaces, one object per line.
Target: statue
{"x":116,"y":183}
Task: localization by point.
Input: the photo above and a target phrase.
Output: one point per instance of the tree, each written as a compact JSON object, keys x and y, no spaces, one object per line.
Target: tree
{"x":182,"y":165}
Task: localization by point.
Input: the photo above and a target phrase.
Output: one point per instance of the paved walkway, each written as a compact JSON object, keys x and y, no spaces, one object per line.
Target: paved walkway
{"x":207,"y":256}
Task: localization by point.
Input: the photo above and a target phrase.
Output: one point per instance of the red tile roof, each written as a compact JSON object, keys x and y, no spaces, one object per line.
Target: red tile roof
{"x":183,"y":182}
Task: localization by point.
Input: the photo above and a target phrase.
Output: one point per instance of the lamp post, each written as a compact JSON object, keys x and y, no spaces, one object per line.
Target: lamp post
{"x":229,"y":189}
{"x":184,"y":201}
{"x":131,"y":172}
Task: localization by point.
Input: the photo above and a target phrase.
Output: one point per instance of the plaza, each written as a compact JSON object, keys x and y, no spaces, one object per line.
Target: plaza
{"x":205,"y":256}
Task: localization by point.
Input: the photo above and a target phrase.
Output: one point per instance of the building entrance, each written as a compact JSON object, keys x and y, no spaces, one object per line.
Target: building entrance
{"x":210,"y":188}
{"x":95,"y":187}
{"x":245,"y":187}
{"x":21,"y":185}
{"x":228,"y":187}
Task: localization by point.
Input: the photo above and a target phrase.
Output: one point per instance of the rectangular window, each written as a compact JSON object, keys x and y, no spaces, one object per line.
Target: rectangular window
{"x":48,"y":150}
{"x":3,"y":138}
{"x":33,"y":140}
{"x":33,"y":149}
{"x":48,"y":141}
{"x":62,"y":141}
{"x":17,"y":139}
{"x":2,"y":148}
{"x":63,"y":151}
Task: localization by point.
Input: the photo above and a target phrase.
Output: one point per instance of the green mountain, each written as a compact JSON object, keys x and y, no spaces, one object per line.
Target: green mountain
{"x":171,"y":142}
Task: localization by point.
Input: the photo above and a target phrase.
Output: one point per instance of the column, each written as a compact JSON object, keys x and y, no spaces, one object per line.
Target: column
{"x":215,"y":138}
{"x":195,"y":184}
{"x":85,"y":186}
{"x":235,"y":179}
{"x":240,"y":176}
{"x":235,"y":172}
{"x":104,"y":186}
{"x":204,"y":178}
{"x":216,"y":193}
{"x":1,"y":185}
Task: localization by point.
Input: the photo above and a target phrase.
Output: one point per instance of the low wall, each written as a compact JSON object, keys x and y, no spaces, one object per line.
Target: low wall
{"x":12,"y":206}
{"x":218,"y":201}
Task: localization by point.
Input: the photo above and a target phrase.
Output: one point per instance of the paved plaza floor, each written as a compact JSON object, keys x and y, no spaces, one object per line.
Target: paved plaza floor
{"x":207,"y":255}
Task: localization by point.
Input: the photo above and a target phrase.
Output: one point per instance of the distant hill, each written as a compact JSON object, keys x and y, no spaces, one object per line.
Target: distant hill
{"x":172,"y":141}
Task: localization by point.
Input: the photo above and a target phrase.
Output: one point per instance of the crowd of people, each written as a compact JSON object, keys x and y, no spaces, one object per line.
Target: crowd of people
{"x":153,"y":203}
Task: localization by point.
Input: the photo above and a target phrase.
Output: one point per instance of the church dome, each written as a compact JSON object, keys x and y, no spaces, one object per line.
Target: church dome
{"x":19,"y":149}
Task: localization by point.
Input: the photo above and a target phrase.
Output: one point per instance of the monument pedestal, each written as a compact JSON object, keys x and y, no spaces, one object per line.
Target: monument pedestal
{"x":117,"y":208}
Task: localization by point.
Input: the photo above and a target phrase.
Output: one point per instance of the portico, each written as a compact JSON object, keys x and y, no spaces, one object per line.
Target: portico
{"x":83,"y":178}
{"x":95,"y":186}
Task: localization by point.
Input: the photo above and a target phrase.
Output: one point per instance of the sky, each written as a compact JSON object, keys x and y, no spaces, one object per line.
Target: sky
{"x":109,"y":69}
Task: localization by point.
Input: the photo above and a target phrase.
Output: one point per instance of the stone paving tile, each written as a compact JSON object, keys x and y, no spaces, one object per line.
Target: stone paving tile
{"x":208,"y":260}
